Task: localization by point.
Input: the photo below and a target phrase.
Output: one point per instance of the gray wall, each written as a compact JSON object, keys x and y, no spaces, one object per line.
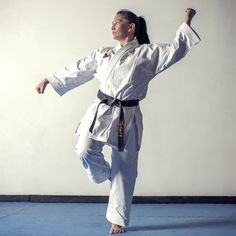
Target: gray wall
{"x":189,"y":114}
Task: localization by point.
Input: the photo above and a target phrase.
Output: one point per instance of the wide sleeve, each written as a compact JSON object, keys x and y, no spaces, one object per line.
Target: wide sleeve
{"x":165,"y":55}
{"x":74,"y":74}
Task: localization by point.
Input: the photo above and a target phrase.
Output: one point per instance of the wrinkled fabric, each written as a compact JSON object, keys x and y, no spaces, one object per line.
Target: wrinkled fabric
{"x":122,"y":172}
{"x":129,"y":80}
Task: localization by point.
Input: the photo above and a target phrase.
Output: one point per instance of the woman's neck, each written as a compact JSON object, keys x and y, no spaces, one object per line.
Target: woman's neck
{"x":124,"y":41}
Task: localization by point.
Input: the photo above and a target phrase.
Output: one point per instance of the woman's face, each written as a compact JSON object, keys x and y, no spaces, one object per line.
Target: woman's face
{"x":121,"y":28}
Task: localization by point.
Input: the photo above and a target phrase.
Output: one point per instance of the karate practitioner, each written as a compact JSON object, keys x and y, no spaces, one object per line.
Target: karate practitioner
{"x":114,"y":117}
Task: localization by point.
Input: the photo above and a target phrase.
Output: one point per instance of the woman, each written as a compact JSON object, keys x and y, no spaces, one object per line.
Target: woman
{"x":114,"y":117}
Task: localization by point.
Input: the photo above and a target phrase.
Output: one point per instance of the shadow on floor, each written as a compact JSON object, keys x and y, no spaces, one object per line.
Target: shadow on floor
{"x":212,"y":223}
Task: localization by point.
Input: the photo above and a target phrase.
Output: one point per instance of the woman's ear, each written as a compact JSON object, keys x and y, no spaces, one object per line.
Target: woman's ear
{"x":132,"y":27}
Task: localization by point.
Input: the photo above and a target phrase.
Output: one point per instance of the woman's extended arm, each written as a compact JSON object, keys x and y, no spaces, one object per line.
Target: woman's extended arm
{"x":165,"y":55}
{"x":72,"y":75}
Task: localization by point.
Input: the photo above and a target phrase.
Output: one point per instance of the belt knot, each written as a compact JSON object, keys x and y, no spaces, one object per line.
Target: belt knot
{"x":115,"y":102}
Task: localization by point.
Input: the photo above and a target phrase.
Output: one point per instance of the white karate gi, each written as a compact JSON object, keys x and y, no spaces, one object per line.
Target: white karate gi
{"x":129,"y":80}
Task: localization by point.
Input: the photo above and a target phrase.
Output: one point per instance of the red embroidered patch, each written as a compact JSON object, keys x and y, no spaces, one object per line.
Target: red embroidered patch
{"x":106,"y":55}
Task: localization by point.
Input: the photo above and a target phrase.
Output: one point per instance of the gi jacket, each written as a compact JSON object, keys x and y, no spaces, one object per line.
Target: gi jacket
{"x":129,"y":80}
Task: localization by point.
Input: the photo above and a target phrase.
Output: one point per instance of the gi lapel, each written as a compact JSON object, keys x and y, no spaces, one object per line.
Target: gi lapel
{"x":119,"y":54}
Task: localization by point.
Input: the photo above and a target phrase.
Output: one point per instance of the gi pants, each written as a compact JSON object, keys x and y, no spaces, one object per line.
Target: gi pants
{"x":122,"y":173}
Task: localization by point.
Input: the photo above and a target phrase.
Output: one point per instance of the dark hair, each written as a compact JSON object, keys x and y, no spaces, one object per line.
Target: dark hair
{"x":140,"y":25}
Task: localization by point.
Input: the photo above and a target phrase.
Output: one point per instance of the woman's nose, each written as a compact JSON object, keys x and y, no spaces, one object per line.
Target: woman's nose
{"x":113,"y":25}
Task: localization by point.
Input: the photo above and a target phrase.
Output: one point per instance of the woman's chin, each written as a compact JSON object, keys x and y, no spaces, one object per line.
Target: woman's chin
{"x":115,"y":37}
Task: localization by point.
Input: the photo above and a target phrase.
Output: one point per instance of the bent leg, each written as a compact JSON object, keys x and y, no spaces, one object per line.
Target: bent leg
{"x":92,"y":158}
{"x":123,"y":178}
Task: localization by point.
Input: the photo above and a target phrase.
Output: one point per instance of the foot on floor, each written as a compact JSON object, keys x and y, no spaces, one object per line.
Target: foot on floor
{"x":116,"y":229}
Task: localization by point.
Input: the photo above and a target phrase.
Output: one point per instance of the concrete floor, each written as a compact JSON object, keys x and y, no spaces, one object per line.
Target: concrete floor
{"x":70,"y":219}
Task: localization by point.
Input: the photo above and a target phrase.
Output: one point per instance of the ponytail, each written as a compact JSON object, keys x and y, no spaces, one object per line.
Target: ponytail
{"x":140,"y":25}
{"x":141,"y":33}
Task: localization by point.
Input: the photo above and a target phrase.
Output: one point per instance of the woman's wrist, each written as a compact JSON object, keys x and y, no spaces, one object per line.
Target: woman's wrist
{"x":46,"y":80}
{"x":188,"y":22}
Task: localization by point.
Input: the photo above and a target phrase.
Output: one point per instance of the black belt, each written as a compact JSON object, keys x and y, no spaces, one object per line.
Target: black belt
{"x":115,"y":102}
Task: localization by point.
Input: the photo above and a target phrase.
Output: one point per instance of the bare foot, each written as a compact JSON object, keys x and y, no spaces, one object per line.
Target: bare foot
{"x":116,"y":229}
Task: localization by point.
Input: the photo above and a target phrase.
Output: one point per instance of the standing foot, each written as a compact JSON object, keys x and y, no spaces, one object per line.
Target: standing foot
{"x":116,"y":229}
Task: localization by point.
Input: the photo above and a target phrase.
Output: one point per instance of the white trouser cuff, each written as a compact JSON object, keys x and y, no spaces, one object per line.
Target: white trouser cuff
{"x":116,"y":219}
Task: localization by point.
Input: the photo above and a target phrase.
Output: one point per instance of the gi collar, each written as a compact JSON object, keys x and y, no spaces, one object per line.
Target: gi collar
{"x":134,"y":42}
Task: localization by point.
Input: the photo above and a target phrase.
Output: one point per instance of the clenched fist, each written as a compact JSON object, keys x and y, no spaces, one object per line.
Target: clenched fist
{"x":189,"y":14}
{"x":41,"y":86}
